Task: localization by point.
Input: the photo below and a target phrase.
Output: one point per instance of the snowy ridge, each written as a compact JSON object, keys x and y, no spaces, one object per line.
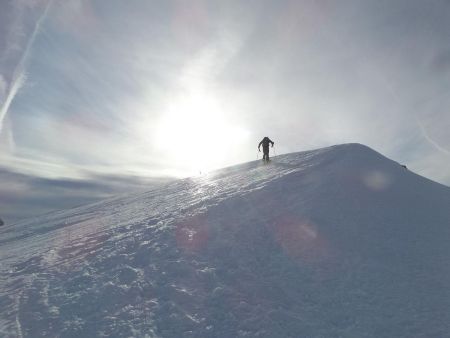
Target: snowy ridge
{"x":335,"y":242}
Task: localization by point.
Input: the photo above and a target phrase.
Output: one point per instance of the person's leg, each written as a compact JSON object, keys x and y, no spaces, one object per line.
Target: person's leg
{"x":266,"y":154}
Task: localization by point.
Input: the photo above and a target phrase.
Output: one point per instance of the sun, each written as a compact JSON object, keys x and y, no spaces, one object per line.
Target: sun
{"x":195,"y":135}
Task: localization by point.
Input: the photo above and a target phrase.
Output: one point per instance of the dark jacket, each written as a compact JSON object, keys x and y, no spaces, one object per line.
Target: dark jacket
{"x":265,"y":143}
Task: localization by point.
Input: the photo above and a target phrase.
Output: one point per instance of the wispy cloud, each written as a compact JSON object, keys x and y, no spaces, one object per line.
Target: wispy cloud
{"x":305,"y":73}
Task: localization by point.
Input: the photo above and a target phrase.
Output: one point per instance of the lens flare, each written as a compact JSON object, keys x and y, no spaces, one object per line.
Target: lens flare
{"x":300,"y":239}
{"x":192,"y":234}
{"x":377,"y":180}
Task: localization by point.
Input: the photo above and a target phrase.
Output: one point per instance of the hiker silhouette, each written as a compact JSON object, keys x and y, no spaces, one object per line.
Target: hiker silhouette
{"x":265,"y":144}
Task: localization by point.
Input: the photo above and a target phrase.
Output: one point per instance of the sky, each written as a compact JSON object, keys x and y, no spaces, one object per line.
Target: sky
{"x":141,"y":89}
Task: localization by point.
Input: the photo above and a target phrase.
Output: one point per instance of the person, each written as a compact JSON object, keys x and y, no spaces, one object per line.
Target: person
{"x":265,"y":143}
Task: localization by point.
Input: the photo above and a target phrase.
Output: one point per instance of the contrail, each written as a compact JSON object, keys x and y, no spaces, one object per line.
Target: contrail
{"x":16,"y":85}
{"x":19,"y":75}
{"x":430,"y":140}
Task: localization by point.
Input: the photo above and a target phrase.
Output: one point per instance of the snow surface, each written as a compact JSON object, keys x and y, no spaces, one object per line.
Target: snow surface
{"x":335,"y":242}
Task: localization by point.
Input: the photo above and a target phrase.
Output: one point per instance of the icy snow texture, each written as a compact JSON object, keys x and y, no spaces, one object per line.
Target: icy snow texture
{"x":336,"y":242}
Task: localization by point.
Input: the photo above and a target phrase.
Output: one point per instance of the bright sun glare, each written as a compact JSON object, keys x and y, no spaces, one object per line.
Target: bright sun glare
{"x":195,"y":135}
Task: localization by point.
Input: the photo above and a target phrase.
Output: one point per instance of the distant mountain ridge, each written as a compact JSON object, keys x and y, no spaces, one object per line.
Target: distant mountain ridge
{"x":24,"y":195}
{"x":334,"y":242}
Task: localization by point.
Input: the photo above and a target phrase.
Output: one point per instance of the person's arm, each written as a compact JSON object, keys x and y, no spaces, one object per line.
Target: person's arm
{"x":259,"y":145}
{"x":271,"y":142}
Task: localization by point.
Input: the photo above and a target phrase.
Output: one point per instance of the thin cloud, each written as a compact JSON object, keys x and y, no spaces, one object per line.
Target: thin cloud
{"x":306,"y":74}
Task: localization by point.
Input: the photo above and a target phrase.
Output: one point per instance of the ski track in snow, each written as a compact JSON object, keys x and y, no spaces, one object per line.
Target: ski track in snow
{"x":336,"y":242}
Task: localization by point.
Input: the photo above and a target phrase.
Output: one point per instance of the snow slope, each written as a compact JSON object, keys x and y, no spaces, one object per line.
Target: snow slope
{"x":335,"y":242}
